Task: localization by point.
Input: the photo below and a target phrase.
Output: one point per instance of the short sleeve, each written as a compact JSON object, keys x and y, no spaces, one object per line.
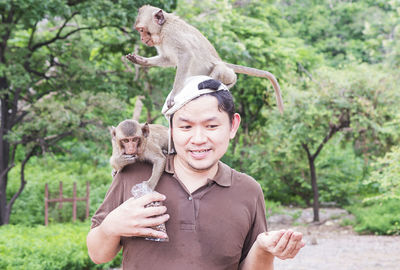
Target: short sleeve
{"x":259,"y":224}
{"x":113,"y":198}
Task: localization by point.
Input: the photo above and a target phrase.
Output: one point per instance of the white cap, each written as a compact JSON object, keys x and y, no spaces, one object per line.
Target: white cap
{"x":194,"y":87}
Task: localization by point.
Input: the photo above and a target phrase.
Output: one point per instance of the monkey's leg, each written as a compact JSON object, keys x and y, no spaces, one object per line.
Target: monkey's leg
{"x":182,"y":72}
{"x":158,"y":169}
{"x":224,"y":74}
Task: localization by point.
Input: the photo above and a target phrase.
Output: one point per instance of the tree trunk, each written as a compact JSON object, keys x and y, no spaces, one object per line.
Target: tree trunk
{"x":315,"y":190}
{"x":4,"y":158}
{"x":313,"y":174}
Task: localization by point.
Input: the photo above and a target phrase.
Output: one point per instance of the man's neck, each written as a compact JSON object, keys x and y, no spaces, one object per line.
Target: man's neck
{"x":192,"y":178}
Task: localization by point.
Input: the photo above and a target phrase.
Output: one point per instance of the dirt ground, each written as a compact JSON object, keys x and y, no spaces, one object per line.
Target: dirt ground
{"x":330,"y":246}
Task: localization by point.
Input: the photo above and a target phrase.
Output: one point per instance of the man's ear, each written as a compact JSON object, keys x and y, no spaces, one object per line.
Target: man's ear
{"x":235,"y":125}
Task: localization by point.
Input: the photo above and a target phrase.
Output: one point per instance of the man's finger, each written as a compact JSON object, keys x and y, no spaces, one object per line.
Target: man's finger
{"x":294,"y":241}
{"x":275,"y":236}
{"x":283,"y":242}
{"x":154,"y":211}
{"x":155,"y":221}
{"x":149,"y":232}
{"x":149,"y":198}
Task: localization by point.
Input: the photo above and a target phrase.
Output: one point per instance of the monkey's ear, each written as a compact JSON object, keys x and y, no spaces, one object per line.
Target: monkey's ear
{"x":112,"y":131}
{"x":159,"y":17}
{"x":145,"y":130}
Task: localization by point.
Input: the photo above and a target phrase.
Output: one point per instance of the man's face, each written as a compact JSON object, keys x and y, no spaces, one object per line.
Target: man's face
{"x":201,"y":133}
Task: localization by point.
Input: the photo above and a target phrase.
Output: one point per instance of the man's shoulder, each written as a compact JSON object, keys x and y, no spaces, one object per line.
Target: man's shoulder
{"x":240,"y":178}
{"x":139,"y":168}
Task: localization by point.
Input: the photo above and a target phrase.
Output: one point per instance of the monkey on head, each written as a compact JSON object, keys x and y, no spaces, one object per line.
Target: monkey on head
{"x":132,"y":141}
{"x":182,"y":46}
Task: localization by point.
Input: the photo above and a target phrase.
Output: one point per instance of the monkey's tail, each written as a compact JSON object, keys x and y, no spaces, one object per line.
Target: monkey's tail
{"x":264,"y":74}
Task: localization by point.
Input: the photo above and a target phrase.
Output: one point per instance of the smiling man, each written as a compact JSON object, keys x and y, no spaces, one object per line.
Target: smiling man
{"x":215,"y":216}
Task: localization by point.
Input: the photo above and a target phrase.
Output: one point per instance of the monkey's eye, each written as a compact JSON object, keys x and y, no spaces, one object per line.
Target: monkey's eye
{"x":136,"y":139}
{"x":125,"y":140}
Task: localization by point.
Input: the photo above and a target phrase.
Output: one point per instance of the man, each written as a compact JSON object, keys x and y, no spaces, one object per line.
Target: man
{"x":215,"y":216}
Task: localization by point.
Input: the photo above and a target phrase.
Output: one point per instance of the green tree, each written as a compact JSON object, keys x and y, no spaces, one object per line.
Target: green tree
{"x":348,"y":101}
{"x":340,"y":30}
{"x":49,"y":51}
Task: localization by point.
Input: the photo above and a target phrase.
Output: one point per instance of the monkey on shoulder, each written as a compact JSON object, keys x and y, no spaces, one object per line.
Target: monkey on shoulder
{"x":133,"y":142}
{"x":182,"y":46}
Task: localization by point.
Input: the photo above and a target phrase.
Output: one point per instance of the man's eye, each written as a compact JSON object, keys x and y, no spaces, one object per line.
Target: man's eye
{"x":212,"y":126}
{"x":186,"y":127}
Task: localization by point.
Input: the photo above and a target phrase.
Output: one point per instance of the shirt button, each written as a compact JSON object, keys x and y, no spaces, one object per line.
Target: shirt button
{"x":190,"y":198}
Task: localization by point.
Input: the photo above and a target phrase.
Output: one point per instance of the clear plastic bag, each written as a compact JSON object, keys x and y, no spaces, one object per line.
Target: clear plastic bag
{"x":138,"y":191}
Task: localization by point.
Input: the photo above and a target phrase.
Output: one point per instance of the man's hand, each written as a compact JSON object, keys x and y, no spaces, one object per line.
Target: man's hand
{"x":132,"y":218}
{"x":284,"y":244}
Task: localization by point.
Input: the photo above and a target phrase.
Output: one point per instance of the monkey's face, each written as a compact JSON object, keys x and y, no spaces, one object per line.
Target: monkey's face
{"x":130,"y":145}
{"x":145,"y":36}
{"x":149,"y":23}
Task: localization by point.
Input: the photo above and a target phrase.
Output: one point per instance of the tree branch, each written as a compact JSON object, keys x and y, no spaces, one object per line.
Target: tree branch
{"x":343,"y":123}
{"x":14,"y":105}
{"x":5,"y":172}
{"x":32,"y":35}
{"x":23,"y":182}
{"x":58,"y":35}
{"x":305,"y":147}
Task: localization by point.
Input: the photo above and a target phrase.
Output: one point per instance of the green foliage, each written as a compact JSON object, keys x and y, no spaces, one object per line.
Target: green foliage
{"x":47,"y":248}
{"x":276,"y":158}
{"x":379,"y":217}
{"x":29,"y":208}
{"x":251,"y":34}
{"x":386,"y":176}
{"x":340,"y":31}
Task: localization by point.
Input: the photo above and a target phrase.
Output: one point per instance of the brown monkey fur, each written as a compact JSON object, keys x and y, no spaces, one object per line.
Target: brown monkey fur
{"x":182,"y":46}
{"x":132,"y":141}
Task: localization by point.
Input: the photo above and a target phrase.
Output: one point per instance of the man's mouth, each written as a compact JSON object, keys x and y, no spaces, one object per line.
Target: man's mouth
{"x":201,"y":153}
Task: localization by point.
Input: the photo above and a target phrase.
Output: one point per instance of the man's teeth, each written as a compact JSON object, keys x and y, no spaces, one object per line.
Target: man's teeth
{"x":200,"y":151}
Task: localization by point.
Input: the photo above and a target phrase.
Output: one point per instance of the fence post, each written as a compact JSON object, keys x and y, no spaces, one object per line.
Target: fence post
{"x":60,"y":206}
{"x":46,"y":205}
{"x":74,"y":203}
{"x":87,"y":199}
{"x":61,"y":199}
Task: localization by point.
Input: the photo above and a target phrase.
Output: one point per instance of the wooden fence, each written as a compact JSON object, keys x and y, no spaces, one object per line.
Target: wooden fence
{"x":61,"y":200}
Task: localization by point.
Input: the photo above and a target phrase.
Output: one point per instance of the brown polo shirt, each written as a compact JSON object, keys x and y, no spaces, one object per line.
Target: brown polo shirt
{"x":212,"y":228}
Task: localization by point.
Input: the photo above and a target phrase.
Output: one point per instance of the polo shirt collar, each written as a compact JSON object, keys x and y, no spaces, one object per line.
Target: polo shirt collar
{"x":222,"y":178}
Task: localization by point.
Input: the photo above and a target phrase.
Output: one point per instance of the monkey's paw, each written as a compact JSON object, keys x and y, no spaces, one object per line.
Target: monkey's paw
{"x":129,"y":157}
{"x":137,"y":59}
{"x":170,"y":103}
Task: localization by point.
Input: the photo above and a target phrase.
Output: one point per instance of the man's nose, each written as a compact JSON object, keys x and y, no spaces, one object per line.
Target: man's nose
{"x":199,"y":136}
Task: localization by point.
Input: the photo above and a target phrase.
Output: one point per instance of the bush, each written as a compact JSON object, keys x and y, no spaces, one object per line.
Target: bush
{"x":29,"y":207}
{"x":60,"y":246}
{"x":378,"y":217}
